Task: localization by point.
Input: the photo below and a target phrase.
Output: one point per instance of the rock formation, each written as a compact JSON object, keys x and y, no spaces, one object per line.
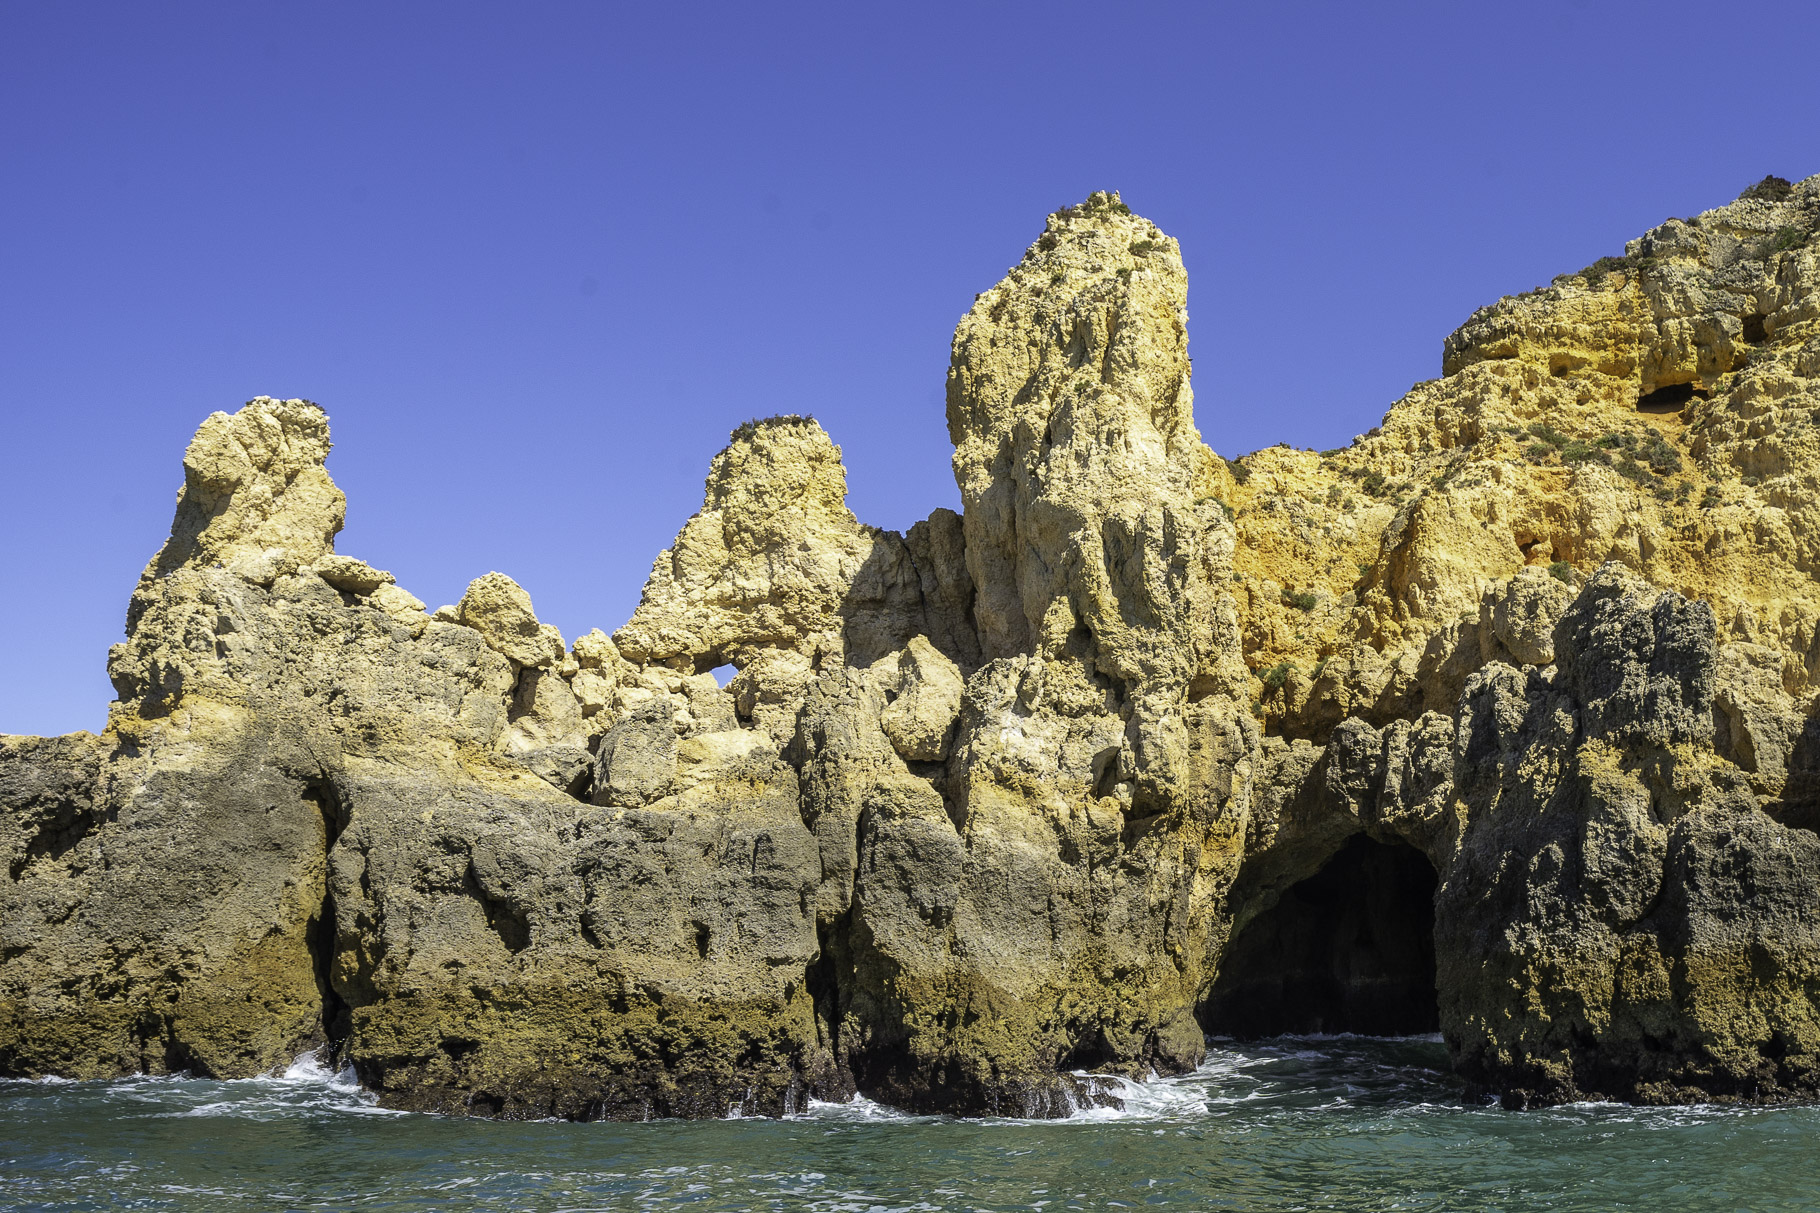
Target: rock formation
{"x":1500,"y":720}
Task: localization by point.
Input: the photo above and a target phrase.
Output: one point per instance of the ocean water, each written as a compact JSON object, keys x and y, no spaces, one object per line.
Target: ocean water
{"x":1289,"y":1124}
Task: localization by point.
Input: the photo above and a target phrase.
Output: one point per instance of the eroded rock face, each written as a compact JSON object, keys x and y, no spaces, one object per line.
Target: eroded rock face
{"x":1624,"y":877}
{"x":1501,"y":719}
{"x":1058,"y":800}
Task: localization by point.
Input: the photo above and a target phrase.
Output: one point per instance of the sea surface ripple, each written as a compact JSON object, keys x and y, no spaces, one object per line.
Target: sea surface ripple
{"x":1307,"y":1123}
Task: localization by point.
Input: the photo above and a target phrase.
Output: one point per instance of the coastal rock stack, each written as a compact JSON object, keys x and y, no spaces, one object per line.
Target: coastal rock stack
{"x":1500,"y":721}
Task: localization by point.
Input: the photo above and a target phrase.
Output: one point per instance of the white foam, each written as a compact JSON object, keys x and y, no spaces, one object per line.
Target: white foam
{"x":1150,"y":1099}
{"x":1155,"y":1098}
{"x":856,"y":1108}
{"x":306,"y":1086}
{"x":308,"y":1070}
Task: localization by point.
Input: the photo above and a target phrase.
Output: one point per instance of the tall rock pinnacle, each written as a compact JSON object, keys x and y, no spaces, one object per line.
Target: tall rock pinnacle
{"x":1092,"y":531}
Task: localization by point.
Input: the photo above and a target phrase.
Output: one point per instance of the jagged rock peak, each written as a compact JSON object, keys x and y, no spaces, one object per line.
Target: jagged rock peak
{"x":776,"y":472}
{"x":499,"y":609}
{"x":764,"y":564}
{"x":255,"y":494}
{"x":1092,"y":532}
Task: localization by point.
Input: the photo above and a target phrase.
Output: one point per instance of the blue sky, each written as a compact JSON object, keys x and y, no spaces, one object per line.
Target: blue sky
{"x":537,"y":260}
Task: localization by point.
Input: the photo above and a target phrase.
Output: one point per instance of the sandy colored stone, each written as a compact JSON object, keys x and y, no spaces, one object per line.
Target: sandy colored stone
{"x":254,"y":492}
{"x":1031,"y":792}
{"x":592,"y":691}
{"x":774,"y":561}
{"x":1085,"y":483}
{"x":594,"y":650}
{"x":919,"y":719}
{"x":350,"y":575}
{"x":401,"y":606}
{"x":1522,"y":615}
{"x":499,"y":609}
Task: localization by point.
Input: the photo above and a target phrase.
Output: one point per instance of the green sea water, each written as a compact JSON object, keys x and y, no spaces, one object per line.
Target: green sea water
{"x":1311,"y":1123}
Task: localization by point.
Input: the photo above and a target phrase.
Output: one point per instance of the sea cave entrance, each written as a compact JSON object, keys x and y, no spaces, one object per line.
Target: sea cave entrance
{"x":1350,"y":949}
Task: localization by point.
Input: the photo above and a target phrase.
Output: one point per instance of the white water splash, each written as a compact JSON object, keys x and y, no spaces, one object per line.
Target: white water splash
{"x":857,"y":1109}
{"x":305,"y":1086}
{"x":1152,"y":1098}
{"x":309,"y":1070}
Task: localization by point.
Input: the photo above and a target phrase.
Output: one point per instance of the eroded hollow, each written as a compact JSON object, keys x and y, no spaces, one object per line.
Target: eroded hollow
{"x":1671,"y":399}
{"x":320,"y":933}
{"x":1350,"y":949}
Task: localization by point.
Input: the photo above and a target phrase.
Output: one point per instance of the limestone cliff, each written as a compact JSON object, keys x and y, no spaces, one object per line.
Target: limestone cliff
{"x":1500,"y":720}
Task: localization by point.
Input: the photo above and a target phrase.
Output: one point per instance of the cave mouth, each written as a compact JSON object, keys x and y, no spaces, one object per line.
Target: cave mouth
{"x":1671,"y":399}
{"x":1350,"y":949}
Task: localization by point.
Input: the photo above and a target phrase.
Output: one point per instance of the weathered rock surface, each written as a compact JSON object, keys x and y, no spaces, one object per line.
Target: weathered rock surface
{"x":1500,"y":720}
{"x":1622,"y":876}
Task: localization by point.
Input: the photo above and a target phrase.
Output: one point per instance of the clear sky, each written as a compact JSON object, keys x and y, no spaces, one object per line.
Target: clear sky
{"x":537,"y":260}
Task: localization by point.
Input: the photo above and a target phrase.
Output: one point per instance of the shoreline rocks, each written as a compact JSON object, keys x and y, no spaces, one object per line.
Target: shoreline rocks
{"x":1501,"y":718}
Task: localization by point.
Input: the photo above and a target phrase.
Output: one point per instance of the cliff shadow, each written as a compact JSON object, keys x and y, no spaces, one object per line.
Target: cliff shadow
{"x":1349,"y":949}
{"x":1799,"y":804}
{"x":915,"y":585}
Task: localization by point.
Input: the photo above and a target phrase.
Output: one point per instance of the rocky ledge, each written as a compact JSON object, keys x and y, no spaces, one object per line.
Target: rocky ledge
{"x":1499,"y":721}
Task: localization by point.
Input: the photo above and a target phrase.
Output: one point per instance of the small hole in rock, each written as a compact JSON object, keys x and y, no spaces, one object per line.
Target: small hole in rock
{"x":1753,"y":329}
{"x":1670,"y":399}
{"x":723,"y":674}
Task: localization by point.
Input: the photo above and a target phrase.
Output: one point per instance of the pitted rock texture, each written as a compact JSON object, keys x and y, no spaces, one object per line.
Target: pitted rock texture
{"x":1501,"y":719}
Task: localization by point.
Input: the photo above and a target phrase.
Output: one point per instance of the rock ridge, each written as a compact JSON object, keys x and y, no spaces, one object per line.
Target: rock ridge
{"x":1499,"y":721}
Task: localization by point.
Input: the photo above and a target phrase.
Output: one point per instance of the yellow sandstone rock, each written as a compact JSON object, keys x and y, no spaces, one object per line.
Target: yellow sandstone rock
{"x":499,"y":609}
{"x":1500,"y":720}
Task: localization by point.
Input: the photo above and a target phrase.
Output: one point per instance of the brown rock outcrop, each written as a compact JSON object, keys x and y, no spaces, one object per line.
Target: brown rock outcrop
{"x":1500,"y":720}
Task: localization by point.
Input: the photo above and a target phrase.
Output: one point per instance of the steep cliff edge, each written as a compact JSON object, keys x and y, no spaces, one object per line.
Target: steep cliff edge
{"x":1500,"y":720}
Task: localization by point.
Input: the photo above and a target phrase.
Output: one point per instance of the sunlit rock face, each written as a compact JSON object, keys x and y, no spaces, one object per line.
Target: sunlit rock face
{"x":1500,"y":719}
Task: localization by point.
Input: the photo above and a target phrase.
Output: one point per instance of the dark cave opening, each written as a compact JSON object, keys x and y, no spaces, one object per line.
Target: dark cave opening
{"x":1350,"y":949}
{"x":1670,"y":399}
